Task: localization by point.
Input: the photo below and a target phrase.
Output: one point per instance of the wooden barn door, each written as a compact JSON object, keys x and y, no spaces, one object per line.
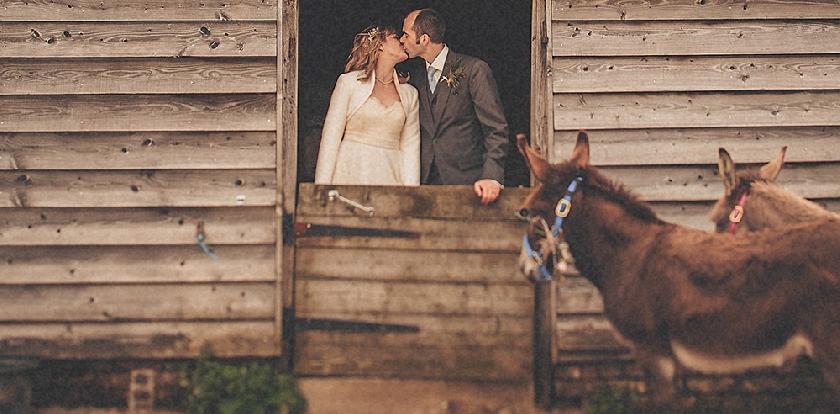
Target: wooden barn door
{"x":425,"y":287}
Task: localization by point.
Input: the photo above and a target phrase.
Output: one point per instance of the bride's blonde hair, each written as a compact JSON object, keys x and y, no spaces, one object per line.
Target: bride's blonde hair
{"x":365,"y":52}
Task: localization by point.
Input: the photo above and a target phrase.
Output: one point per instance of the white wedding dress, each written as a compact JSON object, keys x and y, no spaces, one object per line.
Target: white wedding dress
{"x":370,"y":152}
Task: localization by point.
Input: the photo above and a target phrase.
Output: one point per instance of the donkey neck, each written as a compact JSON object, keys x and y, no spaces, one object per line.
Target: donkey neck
{"x":770,"y":205}
{"x":607,"y":236}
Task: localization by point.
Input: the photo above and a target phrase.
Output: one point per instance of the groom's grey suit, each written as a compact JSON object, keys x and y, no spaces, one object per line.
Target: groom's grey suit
{"x":463,"y":130}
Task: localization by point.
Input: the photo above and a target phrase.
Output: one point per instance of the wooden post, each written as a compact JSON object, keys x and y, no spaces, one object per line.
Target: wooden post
{"x":544,"y":321}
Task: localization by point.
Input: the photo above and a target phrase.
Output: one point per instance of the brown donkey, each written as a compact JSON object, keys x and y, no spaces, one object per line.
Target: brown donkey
{"x":685,"y":298}
{"x":753,"y":201}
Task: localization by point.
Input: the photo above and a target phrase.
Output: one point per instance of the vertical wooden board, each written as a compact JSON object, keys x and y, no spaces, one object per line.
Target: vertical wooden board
{"x":137,"y":76}
{"x":134,"y":39}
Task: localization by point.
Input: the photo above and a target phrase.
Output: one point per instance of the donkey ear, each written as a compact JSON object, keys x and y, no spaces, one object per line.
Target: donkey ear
{"x":726,"y":168}
{"x":771,"y":170}
{"x":538,"y":165}
{"x":580,"y":155}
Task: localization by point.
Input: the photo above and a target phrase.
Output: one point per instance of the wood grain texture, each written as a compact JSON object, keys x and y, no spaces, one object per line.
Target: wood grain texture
{"x":136,"y":39}
{"x":137,"y":76}
{"x":361,"y":298}
{"x":147,"y":188}
{"x":82,"y":113}
{"x":681,"y":146}
{"x":407,"y":265}
{"x":77,"y":265}
{"x":587,"y":333}
{"x":693,"y":9}
{"x":137,"y":150}
{"x":134,"y":226}
{"x":695,"y":38}
{"x":137,"y":303}
{"x":695,"y":73}
{"x":137,"y":10}
{"x":415,"y":234}
{"x":142,"y":340}
{"x":703,"y":184}
{"x":398,"y":356}
{"x":702,"y":109}
{"x":443,"y":202}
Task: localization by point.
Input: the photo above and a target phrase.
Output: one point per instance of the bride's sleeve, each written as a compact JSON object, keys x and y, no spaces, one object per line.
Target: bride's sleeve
{"x":410,"y":143}
{"x":332,"y":133}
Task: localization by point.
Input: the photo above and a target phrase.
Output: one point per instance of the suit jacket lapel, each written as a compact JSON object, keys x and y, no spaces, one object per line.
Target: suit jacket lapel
{"x":422,"y":85}
{"x":442,"y":91}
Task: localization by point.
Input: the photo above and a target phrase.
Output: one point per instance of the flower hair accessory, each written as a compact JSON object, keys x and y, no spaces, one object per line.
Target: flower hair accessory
{"x":371,"y":33}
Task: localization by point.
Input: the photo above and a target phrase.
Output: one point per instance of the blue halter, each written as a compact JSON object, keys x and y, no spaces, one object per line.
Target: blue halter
{"x":564,"y":205}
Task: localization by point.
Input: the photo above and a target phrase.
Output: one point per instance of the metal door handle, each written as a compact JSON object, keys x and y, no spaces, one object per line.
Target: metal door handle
{"x":333,"y":195}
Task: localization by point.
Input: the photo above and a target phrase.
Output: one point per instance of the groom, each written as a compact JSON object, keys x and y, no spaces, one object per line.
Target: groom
{"x":463,"y":131}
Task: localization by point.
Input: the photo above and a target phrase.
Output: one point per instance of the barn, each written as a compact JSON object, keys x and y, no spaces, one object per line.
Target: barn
{"x":155,"y":201}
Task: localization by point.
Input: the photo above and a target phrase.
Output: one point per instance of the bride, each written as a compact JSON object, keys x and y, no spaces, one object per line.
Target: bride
{"x":371,"y":133}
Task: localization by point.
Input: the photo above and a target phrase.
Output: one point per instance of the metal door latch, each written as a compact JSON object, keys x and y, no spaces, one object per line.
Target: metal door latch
{"x":333,"y":195}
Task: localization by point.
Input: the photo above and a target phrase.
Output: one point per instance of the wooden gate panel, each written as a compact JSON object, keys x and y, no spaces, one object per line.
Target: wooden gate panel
{"x":425,"y":288}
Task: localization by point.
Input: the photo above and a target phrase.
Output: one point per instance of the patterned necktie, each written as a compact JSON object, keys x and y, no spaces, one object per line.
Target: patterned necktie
{"x":432,"y":83}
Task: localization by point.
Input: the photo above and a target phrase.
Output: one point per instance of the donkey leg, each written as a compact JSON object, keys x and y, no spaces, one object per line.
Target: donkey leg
{"x":825,"y":337}
{"x":660,"y":371}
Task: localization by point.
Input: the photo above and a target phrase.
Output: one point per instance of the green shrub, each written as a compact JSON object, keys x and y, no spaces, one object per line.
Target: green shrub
{"x":253,"y":388}
{"x":613,"y":400}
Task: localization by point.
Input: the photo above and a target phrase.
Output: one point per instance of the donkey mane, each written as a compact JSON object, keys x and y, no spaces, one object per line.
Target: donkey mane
{"x":618,"y":193}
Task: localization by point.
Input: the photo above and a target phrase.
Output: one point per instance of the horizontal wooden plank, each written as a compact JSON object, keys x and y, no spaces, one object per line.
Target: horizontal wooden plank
{"x":147,"y":188}
{"x":406,"y":265}
{"x":703,"y":184}
{"x":695,"y":73}
{"x":151,"y":340}
{"x":393,"y":233}
{"x":70,"y":113}
{"x":134,"y":264}
{"x":445,"y":202}
{"x":680,"y":146}
{"x":702,"y":109}
{"x":137,"y":150}
{"x":693,"y":9}
{"x":361,"y":298}
{"x":397,"y":356}
{"x":137,"y":303}
{"x":68,"y":39}
{"x":127,"y":226}
{"x":578,"y":296}
{"x":695,"y":214}
{"x":137,"y":76}
{"x":586,"y":333}
{"x":134,"y":10}
{"x":746,"y":37}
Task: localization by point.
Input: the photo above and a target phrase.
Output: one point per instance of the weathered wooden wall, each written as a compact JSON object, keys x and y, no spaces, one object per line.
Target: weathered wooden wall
{"x":124,"y":126}
{"x":660,"y":86}
{"x":426,"y":288}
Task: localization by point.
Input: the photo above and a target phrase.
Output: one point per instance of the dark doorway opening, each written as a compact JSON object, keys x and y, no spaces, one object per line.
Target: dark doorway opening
{"x":497,"y":31}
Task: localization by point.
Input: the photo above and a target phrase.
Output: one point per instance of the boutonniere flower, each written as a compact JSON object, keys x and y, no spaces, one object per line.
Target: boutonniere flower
{"x":453,"y":77}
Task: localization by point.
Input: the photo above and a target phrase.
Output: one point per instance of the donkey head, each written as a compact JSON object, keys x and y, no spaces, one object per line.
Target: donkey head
{"x":541,"y":205}
{"x":729,"y":209}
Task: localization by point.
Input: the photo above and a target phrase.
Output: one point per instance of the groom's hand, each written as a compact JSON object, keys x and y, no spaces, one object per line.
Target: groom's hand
{"x":487,"y":190}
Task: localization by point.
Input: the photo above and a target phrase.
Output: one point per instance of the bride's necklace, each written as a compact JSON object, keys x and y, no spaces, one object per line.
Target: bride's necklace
{"x":388,"y":82}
